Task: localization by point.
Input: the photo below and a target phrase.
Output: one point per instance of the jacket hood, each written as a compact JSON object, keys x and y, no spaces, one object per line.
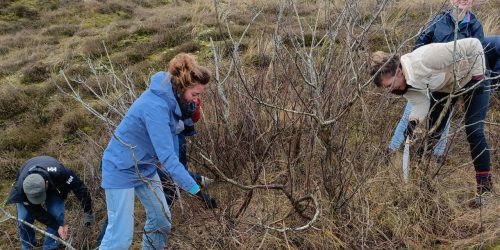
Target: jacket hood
{"x":162,"y":87}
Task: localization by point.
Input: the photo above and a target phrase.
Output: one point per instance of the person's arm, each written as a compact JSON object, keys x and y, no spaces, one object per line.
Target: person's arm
{"x":42,"y":215}
{"x":426,"y":36}
{"x":156,"y":121}
{"x":420,"y":105}
{"x":79,"y":189}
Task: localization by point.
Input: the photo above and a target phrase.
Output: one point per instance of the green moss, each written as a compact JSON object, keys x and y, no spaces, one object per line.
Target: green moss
{"x":38,"y":4}
{"x":168,"y":54}
{"x":134,"y":39}
{"x":101,"y":20}
{"x":205,"y":51}
{"x":216,"y":35}
{"x":23,"y":11}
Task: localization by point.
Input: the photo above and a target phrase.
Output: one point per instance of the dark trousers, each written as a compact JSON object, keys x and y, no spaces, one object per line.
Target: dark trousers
{"x":476,"y":106}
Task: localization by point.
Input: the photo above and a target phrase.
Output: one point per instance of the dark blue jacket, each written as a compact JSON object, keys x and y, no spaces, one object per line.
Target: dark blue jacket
{"x":442,"y":29}
{"x":492,"y":51}
{"x":61,"y":181}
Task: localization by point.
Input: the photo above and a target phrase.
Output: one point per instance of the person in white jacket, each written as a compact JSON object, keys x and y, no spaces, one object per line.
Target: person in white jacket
{"x":427,"y":77}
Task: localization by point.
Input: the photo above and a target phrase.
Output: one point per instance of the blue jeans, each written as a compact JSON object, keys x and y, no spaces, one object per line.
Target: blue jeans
{"x":169,"y":193}
{"x":55,"y":207}
{"x":476,"y":105}
{"x":120,"y":205}
{"x":398,"y":137}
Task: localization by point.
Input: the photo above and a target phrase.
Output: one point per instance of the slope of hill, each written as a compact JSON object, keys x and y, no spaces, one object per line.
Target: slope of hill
{"x":314,"y":128}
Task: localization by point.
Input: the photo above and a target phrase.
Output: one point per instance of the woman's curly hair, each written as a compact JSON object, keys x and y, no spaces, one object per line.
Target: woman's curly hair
{"x":186,"y":72}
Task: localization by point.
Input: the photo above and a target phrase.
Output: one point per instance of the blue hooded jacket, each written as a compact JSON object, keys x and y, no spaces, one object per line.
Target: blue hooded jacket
{"x":442,"y":29}
{"x":147,"y":134}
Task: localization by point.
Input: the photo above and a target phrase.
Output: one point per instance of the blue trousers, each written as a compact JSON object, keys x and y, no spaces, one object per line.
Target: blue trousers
{"x":169,"y":193}
{"x":120,"y":227}
{"x":55,"y":207}
{"x":398,"y":137}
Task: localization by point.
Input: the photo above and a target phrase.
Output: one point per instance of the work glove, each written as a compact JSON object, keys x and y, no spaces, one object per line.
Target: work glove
{"x":88,"y":219}
{"x":410,"y":129}
{"x":207,"y":201}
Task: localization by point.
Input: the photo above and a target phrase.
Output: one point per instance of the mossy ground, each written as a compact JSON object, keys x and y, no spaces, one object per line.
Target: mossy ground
{"x":38,"y":39}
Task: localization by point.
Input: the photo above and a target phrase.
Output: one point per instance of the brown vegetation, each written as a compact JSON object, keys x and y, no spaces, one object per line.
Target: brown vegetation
{"x":270,"y":118}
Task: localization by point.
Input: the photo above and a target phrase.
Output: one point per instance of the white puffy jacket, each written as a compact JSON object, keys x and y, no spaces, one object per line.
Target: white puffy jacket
{"x":430,"y":68}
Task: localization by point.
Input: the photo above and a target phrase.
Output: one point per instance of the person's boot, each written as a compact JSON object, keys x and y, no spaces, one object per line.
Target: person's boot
{"x":484,"y":189}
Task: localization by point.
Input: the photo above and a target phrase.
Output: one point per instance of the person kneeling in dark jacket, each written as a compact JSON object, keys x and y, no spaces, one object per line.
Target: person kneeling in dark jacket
{"x":44,"y":180}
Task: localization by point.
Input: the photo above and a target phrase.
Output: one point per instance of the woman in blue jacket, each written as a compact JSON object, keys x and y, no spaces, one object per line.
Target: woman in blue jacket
{"x":147,"y":135}
{"x":442,"y":29}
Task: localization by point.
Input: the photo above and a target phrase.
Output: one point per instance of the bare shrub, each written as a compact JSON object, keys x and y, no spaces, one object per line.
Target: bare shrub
{"x":13,"y":101}
{"x":72,"y":122}
{"x":3,"y":50}
{"x":292,"y":131}
{"x":35,"y":73}
{"x":9,"y":27}
{"x":116,"y":7}
{"x":92,"y":47}
{"x":24,"y":11}
{"x":29,"y":137}
{"x":61,"y":30}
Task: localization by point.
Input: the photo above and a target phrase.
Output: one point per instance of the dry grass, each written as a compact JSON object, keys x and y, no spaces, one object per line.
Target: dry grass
{"x":363,"y":202}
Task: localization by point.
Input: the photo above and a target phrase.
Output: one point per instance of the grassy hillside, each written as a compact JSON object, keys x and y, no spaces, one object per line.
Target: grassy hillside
{"x":273,"y":117}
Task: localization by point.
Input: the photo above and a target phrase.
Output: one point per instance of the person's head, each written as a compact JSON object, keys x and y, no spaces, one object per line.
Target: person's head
{"x":462,"y":5}
{"x":35,"y":186}
{"x":388,"y":73}
{"x":187,"y":77}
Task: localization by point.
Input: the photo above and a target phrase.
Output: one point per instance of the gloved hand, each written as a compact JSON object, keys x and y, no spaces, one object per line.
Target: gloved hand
{"x":88,"y":219}
{"x":410,"y":129}
{"x":207,"y":200}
